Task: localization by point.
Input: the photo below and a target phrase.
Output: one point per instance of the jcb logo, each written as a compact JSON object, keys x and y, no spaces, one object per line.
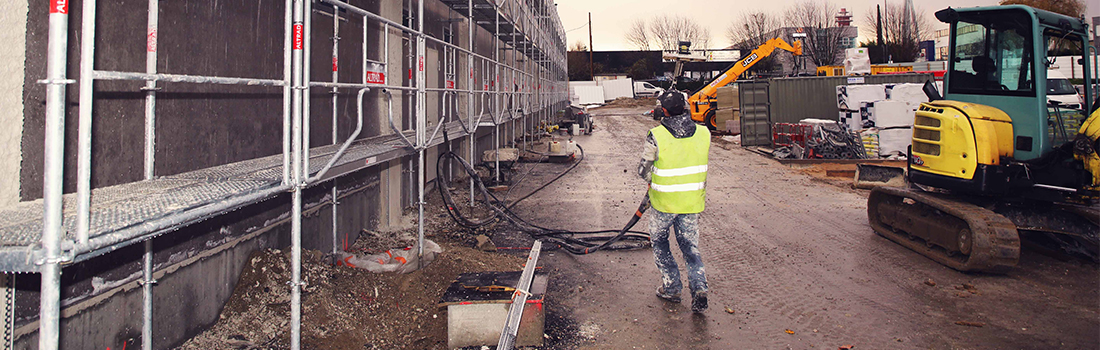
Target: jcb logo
{"x":59,"y":6}
{"x":749,"y":60}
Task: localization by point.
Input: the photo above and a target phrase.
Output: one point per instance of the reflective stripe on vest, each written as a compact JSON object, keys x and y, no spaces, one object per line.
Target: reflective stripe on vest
{"x":680,"y":172}
{"x":678,"y":188}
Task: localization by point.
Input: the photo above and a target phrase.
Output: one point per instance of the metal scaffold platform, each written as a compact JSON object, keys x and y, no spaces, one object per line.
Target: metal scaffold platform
{"x":46,"y":235}
{"x":133,"y":212}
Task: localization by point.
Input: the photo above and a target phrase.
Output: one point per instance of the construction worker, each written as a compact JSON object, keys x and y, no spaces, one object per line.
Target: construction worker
{"x":674,"y":161}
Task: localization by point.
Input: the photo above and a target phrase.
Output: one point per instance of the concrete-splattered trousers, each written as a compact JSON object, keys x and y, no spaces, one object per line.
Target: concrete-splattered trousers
{"x":687,"y":237}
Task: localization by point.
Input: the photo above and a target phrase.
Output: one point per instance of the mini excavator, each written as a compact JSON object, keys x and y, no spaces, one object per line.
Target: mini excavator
{"x":993,"y":159}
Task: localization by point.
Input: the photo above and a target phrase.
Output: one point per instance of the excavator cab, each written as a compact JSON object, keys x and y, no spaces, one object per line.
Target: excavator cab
{"x":994,"y":161}
{"x":997,"y":126}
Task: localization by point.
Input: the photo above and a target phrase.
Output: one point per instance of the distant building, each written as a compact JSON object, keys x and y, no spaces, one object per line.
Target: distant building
{"x":942,"y":39}
{"x":927,"y":51}
{"x":844,"y":18}
{"x":649,"y":65}
{"x":1095,"y":30}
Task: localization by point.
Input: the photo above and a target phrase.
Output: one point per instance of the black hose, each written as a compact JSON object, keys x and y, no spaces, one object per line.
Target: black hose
{"x":585,"y":244}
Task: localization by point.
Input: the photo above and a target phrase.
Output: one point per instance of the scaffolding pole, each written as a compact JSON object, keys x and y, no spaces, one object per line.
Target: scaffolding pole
{"x":421,"y":128}
{"x":53,"y":180}
{"x":335,"y":98}
{"x":301,"y":87}
{"x":150,"y":169}
{"x":470,"y":85}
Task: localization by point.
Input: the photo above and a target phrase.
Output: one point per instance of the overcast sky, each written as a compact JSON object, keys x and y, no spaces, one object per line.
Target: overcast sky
{"x":611,"y":18}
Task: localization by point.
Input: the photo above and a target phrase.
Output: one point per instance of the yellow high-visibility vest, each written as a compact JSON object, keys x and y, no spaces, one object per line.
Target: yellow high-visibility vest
{"x":678,"y":185}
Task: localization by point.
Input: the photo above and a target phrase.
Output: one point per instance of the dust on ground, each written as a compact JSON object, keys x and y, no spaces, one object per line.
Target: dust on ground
{"x":351,"y":308}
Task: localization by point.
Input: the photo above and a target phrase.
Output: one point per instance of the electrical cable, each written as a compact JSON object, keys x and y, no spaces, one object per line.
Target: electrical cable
{"x":567,"y":240}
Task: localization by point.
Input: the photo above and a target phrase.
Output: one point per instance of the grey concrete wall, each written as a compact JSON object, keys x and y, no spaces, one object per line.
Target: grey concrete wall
{"x":13,"y":13}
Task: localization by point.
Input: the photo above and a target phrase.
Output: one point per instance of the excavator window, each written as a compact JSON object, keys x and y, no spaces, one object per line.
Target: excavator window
{"x":993,"y":56}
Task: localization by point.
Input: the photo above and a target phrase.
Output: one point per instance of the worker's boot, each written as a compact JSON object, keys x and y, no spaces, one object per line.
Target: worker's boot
{"x":699,"y":302}
{"x":672,"y":298}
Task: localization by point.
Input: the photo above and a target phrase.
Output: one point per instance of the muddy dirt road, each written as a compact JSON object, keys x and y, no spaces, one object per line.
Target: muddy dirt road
{"x":796,"y":262}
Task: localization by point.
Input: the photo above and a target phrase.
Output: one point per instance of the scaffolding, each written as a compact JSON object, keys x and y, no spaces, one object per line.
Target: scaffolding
{"x":43,"y":236}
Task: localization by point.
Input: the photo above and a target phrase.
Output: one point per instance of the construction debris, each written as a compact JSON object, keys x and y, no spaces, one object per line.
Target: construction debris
{"x":817,"y":139}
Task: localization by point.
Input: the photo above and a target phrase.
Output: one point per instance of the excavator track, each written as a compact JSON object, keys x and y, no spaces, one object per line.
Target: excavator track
{"x":957,"y":234}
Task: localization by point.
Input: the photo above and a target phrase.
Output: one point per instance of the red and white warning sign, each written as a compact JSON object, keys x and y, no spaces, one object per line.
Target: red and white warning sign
{"x":421,"y":65}
{"x":334,"y":66}
{"x":298,"y":29}
{"x":59,"y":6}
{"x":375,"y":73}
{"x":151,"y":40}
{"x":450,"y":84}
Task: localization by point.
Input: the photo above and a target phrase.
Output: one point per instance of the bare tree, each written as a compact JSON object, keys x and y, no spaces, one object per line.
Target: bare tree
{"x":638,"y":35}
{"x":667,"y":31}
{"x":578,"y":46}
{"x":901,"y":38}
{"x":1072,"y":8}
{"x":815,"y":18}
{"x":751,"y":30}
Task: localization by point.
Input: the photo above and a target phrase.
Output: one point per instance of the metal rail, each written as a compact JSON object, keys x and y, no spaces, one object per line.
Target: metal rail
{"x":519,"y":299}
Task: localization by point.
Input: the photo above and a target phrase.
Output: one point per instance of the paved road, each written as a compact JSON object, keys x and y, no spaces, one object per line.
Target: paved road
{"x":786,"y":252}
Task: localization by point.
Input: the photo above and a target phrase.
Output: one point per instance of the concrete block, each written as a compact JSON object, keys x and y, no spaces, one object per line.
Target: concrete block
{"x":477,"y":318}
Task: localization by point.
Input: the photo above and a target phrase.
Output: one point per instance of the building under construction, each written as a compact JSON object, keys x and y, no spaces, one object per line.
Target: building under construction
{"x":150,"y":147}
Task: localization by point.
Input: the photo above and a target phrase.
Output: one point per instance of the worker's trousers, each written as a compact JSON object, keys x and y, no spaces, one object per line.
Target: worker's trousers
{"x":687,"y":237}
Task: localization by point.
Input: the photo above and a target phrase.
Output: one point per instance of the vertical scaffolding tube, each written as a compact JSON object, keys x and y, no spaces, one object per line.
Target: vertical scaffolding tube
{"x":496,"y":95}
{"x":53,"y":180}
{"x":296,"y":206}
{"x":307,"y":57}
{"x":335,"y":97}
{"x":84,"y":123}
{"x":150,"y":166}
{"x":421,"y":130}
{"x":288,"y":37}
{"x":470,"y":85}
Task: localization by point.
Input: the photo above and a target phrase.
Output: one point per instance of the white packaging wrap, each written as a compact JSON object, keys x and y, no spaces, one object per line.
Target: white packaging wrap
{"x":912,"y":94}
{"x":857,"y":61}
{"x":894,"y":141}
{"x":849,"y":96}
{"x":892,"y":114}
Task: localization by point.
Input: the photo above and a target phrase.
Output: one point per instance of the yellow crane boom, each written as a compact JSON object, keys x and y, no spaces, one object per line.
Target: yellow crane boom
{"x":703,"y":103}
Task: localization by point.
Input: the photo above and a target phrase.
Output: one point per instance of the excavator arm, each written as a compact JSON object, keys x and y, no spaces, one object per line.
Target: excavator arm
{"x":702,"y":101}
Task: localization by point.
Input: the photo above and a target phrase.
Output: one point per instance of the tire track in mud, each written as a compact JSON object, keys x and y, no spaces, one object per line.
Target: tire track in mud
{"x":803,"y":307}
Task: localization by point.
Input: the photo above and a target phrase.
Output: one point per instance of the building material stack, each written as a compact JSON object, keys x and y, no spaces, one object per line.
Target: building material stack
{"x":882,"y":113}
{"x":728,"y":113}
{"x":851,"y":98}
